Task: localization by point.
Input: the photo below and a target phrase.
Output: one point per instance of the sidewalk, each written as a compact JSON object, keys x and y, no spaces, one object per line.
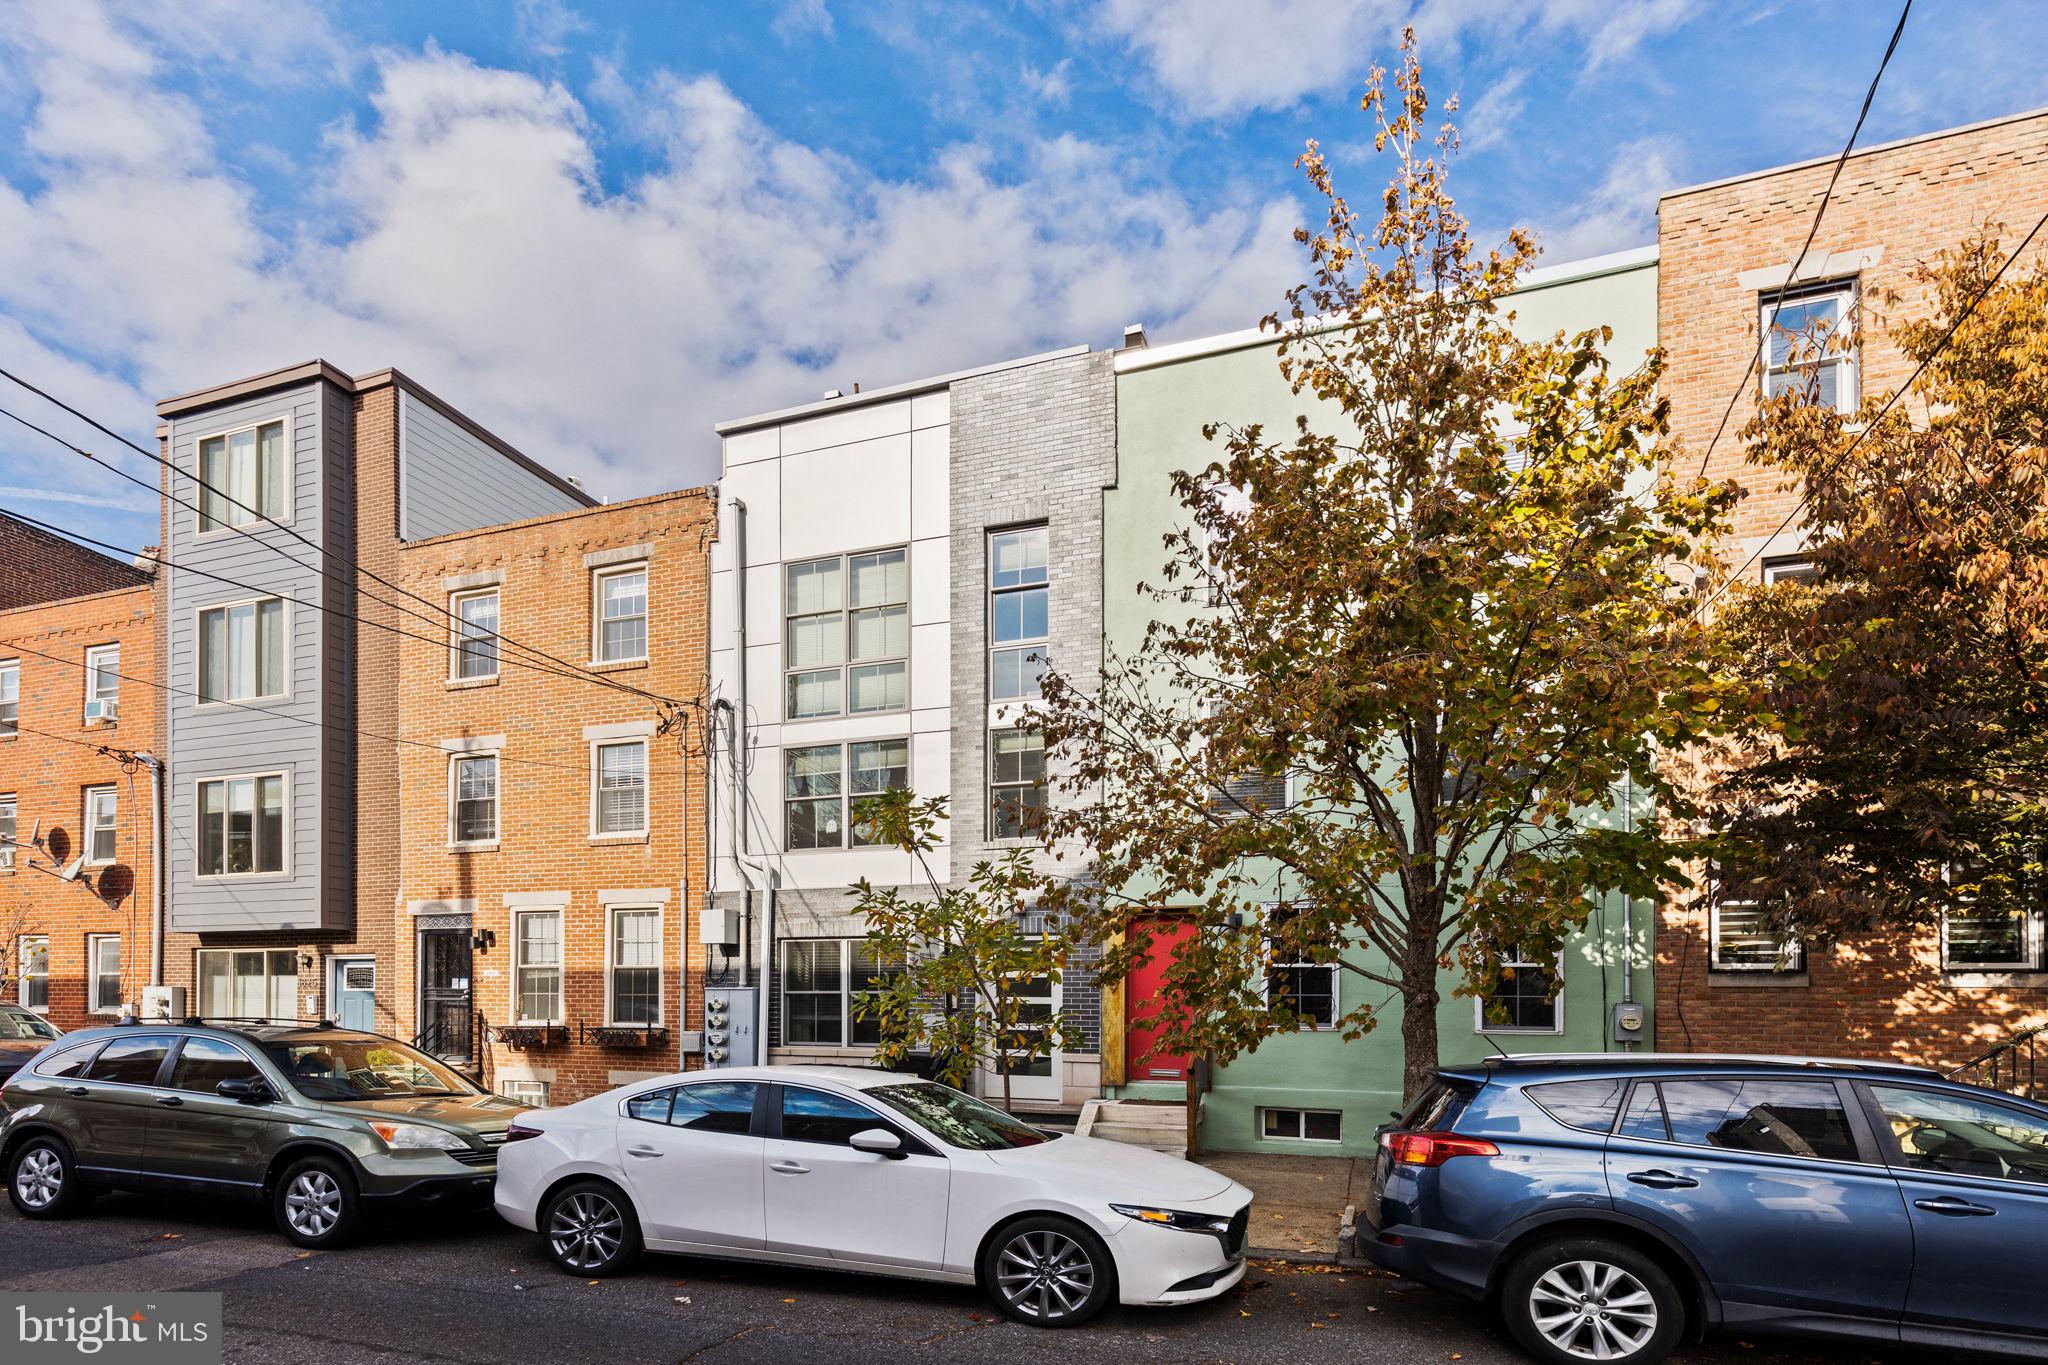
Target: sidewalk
{"x":1297,"y":1201}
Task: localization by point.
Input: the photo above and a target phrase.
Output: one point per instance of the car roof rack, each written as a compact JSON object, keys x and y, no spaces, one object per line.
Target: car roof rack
{"x":246,"y":1020}
{"x":1630,"y":1059}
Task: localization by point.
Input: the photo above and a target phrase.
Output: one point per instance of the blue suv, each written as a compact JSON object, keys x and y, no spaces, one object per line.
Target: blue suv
{"x":1610,"y":1205}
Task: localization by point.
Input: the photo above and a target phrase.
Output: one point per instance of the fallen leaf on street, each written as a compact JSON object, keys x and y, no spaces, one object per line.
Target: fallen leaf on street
{"x":789,"y":1300}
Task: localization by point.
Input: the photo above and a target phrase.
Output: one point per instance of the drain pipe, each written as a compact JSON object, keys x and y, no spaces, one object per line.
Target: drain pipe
{"x":158,"y":861}
{"x":760,"y":878}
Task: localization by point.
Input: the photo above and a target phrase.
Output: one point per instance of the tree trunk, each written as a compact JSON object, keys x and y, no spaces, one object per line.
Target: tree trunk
{"x":1419,"y":1001}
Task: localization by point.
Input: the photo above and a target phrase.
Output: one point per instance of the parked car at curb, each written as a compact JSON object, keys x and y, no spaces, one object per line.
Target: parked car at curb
{"x":324,"y":1124}
{"x":874,"y":1172}
{"x":1611,"y":1205}
{"x":23,"y":1033}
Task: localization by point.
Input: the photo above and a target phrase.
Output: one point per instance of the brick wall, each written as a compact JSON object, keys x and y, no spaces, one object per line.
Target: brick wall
{"x":46,"y":768}
{"x":1893,"y":208}
{"x":46,"y":568}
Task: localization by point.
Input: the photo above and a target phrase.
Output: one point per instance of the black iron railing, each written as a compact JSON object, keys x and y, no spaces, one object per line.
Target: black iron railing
{"x":2013,"y":1066}
{"x":451,"y":1034}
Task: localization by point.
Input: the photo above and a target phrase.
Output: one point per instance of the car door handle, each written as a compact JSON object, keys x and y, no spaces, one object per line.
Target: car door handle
{"x":643,"y":1151}
{"x":76,"y":1091}
{"x":790,"y":1168}
{"x":169,"y":1101}
{"x":1663,"y":1180}
{"x":1954,"y":1208}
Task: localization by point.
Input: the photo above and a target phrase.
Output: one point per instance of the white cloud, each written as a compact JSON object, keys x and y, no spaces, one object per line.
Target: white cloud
{"x":800,"y":18}
{"x":1489,"y":119}
{"x":544,"y":27}
{"x":1621,"y":211}
{"x":1049,"y":86}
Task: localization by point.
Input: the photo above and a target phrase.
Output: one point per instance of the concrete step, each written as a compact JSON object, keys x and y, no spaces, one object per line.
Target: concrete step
{"x":1162,"y":1127}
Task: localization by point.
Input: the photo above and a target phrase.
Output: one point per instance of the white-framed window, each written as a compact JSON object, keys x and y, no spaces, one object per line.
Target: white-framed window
{"x":10,"y":695}
{"x":619,"y":613}
{"x":34,"y":961}
{"x":241,"y":651}
{"x":1741,"y":940}
{"x":822,"y":980}
{"x":102,"y":815}
{"x":248,"y":983}
{"x":10,"y":830}
{"x":102,"y":683}
{"x":248,"y":467}
{"x":1302,"y":1125}
{"x":103,"y":972}
{"x":1016,"y":783}
{"x":1991,"y":939}
{"x":1810,"y":344}
{"x":242,"y":825}
{"x":846,"y":633}
{"x":618,"y":787}
{"x":1529,"y":997}
{"x":1789,"y":569}
{"x":473,"y":799}
{"x":473,"y":652}
{"x":824,"y":784}
{"x":1296,"y":981}
{"x":537,"y":967}
{"x":632,"y":979}
{"x":1019,"y":608}
{"x":529,"y":1092}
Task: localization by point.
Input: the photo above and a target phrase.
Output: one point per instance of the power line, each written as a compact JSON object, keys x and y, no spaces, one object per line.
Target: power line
{"x":1777,"y":303}
{"x":107,"y":750}
{"x":297,"y":535}
{"x":1889,"y":403}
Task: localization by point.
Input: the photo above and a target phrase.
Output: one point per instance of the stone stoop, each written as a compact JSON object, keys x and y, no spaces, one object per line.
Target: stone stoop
{"x":1162,"y":1127}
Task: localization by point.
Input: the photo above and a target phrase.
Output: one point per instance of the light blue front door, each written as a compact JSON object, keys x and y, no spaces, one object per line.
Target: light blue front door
{"x":355,"y":992}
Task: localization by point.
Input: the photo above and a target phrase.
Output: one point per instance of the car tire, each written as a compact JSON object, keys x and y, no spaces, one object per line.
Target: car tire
{"x":1048,"y":1272}
{"x":1567,"y":1301}
{"x":590,"y":1229}
{"x":43,"y":1180}
{"x":316,"y":1205}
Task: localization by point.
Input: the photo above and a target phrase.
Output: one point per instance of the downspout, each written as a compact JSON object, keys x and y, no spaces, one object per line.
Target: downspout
{"x":758,"y":876}
{"x":158,"y":862}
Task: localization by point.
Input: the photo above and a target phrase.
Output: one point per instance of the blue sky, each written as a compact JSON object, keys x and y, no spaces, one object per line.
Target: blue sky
{"x":600,"y":228}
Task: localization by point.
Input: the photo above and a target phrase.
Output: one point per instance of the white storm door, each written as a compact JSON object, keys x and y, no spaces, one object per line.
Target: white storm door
{"x":1036,"y":1079}
{"x":825,"y":1198}
{"x":693,"y":1164}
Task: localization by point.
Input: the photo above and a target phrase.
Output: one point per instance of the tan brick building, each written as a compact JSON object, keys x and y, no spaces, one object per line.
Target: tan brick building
{"x":551,"y":829}
{"x":1725,"y":250}
{"x":77,"y":800}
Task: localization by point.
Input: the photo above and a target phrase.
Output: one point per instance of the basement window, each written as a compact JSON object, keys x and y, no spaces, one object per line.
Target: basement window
{"x":1302,"y":1125}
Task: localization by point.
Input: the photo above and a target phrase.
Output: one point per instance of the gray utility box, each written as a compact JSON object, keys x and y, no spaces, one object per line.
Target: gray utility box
{"x":729,"y":1026}
{"x":1631,"y":1023}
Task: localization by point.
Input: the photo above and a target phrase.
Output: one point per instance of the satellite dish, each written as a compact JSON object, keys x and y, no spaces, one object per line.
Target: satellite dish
{"x":71,"y":869}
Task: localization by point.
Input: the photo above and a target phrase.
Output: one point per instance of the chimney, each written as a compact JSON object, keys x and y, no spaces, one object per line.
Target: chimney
{"x":1134,"y":337}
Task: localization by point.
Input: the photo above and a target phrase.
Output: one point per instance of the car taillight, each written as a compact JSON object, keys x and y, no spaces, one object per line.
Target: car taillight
{"x":1434,"y":1149}
{"x":519,"y":1133}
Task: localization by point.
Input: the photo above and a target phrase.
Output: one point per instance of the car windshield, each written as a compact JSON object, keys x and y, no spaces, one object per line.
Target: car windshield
{"x":956,"y":1119}
{"x":16,"y":1026}
{"x":344,"y":1068}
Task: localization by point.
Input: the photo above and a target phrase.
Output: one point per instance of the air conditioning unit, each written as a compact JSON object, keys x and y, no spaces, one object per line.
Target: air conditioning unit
{"x":103,"y":708}
{"x":162,"y":1004}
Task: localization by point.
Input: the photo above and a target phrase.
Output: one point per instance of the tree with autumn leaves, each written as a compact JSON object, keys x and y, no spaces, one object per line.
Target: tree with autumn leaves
{"x":1455,"y":619}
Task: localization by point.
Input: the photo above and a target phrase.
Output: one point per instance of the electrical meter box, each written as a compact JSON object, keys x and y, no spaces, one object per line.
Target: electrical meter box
{"x":718,"y":928}
{"x":729,"y":1026}
{"x":1631,"y":1023}
{"x":162,"y":1004}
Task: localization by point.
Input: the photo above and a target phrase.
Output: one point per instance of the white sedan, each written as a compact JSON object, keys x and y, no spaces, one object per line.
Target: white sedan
{"x":875,"y":1172}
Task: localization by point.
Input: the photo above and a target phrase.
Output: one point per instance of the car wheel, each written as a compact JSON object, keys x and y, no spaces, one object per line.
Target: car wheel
{"x":591,"y":1230}
{"x":1048,"y":1272}
{"x":43,"y":1181}
{"x":315,"y":1204}
{"x":1588,"y":1299}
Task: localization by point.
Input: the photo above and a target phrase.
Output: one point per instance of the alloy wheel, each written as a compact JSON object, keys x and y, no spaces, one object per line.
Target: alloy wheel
{"x":1045,"y":1275}
{"x":312,"y":1203}
{"x":586,"y":1231}
{"x":39,"y":1179}
{"x":1593,"y":1310}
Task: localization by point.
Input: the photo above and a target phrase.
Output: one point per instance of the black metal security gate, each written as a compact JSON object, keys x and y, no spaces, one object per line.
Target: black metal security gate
{"x":447,"y":1012}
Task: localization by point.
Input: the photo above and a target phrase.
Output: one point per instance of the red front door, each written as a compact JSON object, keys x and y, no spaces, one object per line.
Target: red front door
{"x":1144,"y":1018}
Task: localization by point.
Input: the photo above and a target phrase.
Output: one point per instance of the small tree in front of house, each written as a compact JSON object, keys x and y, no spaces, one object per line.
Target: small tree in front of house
{"x":972,"y":982}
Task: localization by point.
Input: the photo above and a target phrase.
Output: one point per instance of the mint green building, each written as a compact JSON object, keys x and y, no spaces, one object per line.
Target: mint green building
{"x":1313,"y":1092}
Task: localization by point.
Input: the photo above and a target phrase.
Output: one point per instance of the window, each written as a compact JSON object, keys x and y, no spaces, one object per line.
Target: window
{"x":621,"y":614}
{"x":241,"y":826}
{"x":473,"y":799}
{"x":1294,"y":981}
{"x":633,"y":981}
{"x":9,"y":829}
{"x":823,"y":979}
{"x":1302,"y":1125}
{"x":529,"y":1092}
{"x":10,"y":696}
{"x":872,"y":977}
{"x":1579,"y":1104}
{"x":1809,"y":345}
{"x":1990,"y":938}
{"x":619,"y":794}
{"x":1790,"y":569}
{"x":814,"y":1116}
{"x":68,"y":1062}
{"x":203,"y":1063}
{"x":130,"y":1061}
{"x":821,"y":800}
{"x":241,"y":651}
{"x":1016,"y":783}
{"x":714,"y":1107}
{"x":1645,"y":1117}
{"x":1018,"y":613}
{"x":537,"y":966}
{"x":101,"y":812}
{"x":103,"y":963}
{"x":1527,"y":998}
{"x":35,"y":971}
{"x":475,"y":647}
{"x":847,"y":634}
{"x":102,"y":683}
{"x":1742,"y":939}
{"x":1788,"y":1118}
{"x":1950,"y":1133}
{"x":248,"y":984}
{"x":242,"y":477}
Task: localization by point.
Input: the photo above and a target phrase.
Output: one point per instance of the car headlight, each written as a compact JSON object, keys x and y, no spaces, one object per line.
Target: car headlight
{"x":1215,"y":1223}
{"x":400,"y":1137}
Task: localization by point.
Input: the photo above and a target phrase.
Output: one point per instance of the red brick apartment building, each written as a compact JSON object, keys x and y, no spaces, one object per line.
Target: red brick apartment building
{"x":551,"y":828}
{"x":77,"y":872}
{"x":1725,"y":249}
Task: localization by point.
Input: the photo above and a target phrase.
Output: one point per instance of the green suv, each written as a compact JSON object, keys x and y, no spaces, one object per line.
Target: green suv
{"x":322,"y":1123}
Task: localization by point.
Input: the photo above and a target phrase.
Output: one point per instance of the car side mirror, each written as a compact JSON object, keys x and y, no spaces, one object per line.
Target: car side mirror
{"x":880,"y":1141}
{"x":247,"y":1089}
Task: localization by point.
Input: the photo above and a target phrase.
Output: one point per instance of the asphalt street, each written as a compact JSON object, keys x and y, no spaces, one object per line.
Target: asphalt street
{"x":472,"y":1289}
